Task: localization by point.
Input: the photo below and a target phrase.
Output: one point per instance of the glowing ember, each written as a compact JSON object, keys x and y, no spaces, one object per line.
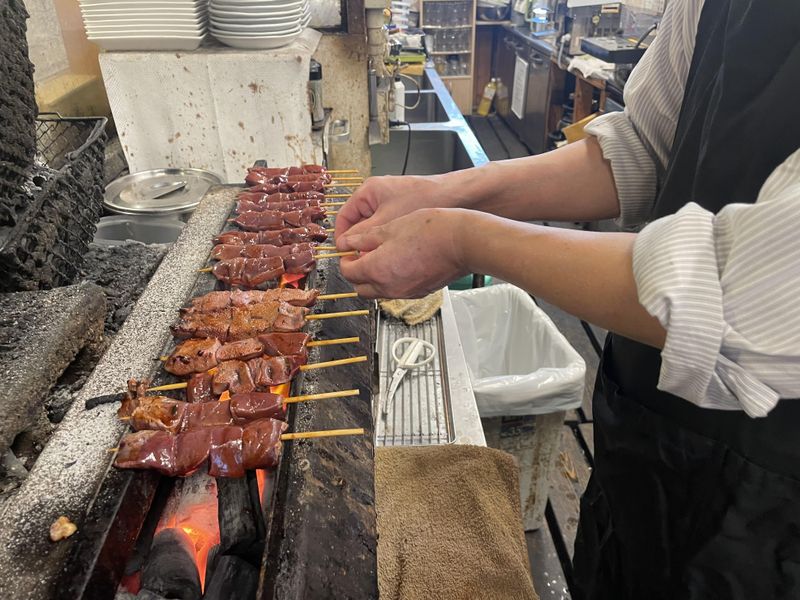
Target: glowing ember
{"x":192,"y":507}
{"x":291,"y":280}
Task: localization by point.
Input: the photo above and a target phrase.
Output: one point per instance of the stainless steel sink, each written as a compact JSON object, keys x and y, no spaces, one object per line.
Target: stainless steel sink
{"x":429,"y":109}
{"x":432,"y":151}
{"x":441,"y":140}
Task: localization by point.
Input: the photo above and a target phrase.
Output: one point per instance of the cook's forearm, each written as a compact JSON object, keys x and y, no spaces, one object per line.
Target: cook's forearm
{"x":573,"y":183}
{"x":589,"y":275}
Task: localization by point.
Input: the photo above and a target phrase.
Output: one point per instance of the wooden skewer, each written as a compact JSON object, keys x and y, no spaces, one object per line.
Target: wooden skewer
{"x":338,"y":296}
{"x":334,"y":363}
{"x":354,"y":178}
{"x":320,"y":434}
{"x":306,"y":398}
{"x":336,"y":315}
{"x":316,"y":257}
{"x":168,"y":387}
{"x":325,"y":248}
{"x":329,"y":230}
{"x":322,"y":396}
{"x":310,"y":367}
{"x":342,"y":171}
{"x":329,"y":204}
{"x":338,"y":195}
{"x":335,"y":254}
{"x":333,"y":342}
{"x":335,"y":185}
{"x":304,"y":435}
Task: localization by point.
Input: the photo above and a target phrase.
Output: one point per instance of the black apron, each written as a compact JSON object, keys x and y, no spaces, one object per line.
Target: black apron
{"x":684,"y":502}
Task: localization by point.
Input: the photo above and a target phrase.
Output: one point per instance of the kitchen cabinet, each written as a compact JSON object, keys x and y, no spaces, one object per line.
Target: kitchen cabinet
{"x":460,"y":89}
{"x":449,"y":27}
{"x":529,"y":75}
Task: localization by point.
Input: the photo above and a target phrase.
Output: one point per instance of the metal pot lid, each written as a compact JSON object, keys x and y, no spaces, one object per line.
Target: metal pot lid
{"x":159,"y":191}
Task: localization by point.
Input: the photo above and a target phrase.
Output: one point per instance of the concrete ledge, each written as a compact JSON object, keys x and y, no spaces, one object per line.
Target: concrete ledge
{"x":70,"y":470}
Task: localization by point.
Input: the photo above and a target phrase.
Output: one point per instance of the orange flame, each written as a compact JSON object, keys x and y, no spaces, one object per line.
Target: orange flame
{"x":195,"y":515}
{"x":291,"y":280}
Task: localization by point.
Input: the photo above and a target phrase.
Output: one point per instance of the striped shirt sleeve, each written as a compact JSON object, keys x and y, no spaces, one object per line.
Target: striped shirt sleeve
{"x":637,"y":141}
{"x":725,"y":288}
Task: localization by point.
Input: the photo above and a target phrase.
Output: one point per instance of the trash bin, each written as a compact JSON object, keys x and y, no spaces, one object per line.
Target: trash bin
{"x":525,"y":375}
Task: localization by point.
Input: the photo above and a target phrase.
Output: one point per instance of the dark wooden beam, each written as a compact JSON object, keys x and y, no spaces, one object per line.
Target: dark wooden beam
{"x":353,"y":16}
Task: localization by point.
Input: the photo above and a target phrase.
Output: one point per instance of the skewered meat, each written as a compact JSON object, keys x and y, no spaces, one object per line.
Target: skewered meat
{"x":198,"y":388}
{"x":285,"y":344}
{"x":214,"y":301}
{"x":240,"y":322}
{"x":299,"y":263}
{"x":261,"y":197}
{"x":274,"y":370}
{"x":304,"y":169}
{"x":247,"y":205}
{"x":136,"y":390}
{"x":228,"y":251}
{"x":310,"y":233}
{"x":240,"y":377}
{"x":196,"y":355}
{"x":255,"y":177}
{"x":162,"y":414}
{"x":249,"y":272}
{"x":240,"y":350}
{"x":253,"y":272}
{"x":268,"y":344}
{"x":285,"y":188}
{"x":230,"y":451}
{"x":260,"y":220}
{"x":234,"y":376}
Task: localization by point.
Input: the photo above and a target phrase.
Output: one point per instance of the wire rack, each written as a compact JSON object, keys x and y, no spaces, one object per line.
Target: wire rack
{"x":419,"y":414}
{"x":47,"y":226}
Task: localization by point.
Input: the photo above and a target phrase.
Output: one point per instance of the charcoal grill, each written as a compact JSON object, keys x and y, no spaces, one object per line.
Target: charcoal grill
{"x":319,"y":534}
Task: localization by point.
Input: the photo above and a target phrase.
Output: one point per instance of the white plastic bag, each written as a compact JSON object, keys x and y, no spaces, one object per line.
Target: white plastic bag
{"x":519,"y":362}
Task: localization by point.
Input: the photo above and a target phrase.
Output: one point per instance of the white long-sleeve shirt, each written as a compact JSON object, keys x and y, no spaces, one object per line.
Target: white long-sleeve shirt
{"x":725,"y":286}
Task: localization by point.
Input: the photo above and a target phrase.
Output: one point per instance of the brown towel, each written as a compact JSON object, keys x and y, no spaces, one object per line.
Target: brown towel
{"x":449,"y":525}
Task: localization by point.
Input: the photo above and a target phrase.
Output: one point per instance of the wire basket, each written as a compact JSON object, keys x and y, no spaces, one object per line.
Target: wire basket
{"x":17,"y":101}
{"x":46,"y":232}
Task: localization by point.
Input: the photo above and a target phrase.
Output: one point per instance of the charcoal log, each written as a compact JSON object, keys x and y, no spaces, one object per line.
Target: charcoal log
{"x":211,"y":564}
{"x":171,"y":570}
{"x":233,"y":579}
{"x":241,"y":527}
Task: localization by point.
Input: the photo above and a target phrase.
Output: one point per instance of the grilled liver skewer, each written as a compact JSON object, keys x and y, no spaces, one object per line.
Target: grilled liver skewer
{"x":230,"y":451}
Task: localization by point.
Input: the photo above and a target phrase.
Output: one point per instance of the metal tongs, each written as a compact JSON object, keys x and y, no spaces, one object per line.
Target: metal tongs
{"x":407,"y":362}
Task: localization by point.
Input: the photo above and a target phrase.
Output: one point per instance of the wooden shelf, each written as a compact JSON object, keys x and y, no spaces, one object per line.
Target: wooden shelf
{"x":447,"y":27}
{"x":459,"y":86}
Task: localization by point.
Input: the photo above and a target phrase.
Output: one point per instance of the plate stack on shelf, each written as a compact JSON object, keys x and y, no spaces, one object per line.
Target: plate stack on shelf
{"x":258,"y":24}
{"x":145,"y":24}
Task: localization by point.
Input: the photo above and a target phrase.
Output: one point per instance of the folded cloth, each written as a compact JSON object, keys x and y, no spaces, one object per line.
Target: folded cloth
{"x":416,"y":311}
{"x":450,"y":525}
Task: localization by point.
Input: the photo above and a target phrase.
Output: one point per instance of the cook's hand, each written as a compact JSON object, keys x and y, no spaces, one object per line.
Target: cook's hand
{"x":409,"y":257}
{"x":381,"y":199}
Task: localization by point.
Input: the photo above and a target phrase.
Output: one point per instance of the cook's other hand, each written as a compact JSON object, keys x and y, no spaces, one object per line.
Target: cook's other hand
{"x":381,"y":199}
{"x":408,"y":257}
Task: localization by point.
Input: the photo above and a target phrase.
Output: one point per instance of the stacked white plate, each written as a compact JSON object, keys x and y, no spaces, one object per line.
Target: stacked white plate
{"x":145,"y":24}
{"x":258,"y":23}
